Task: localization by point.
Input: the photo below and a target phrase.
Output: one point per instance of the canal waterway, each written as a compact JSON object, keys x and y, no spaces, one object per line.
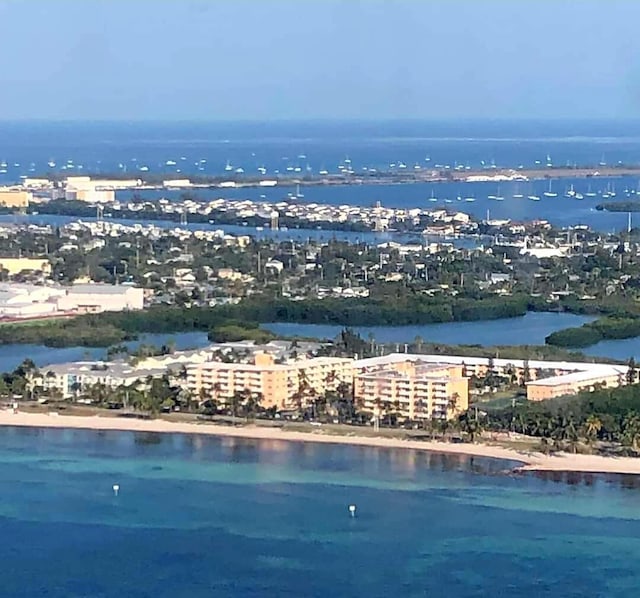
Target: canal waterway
{"x":530,"y":329}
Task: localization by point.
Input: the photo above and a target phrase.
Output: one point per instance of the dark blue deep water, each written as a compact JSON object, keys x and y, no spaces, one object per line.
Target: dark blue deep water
{"x":203,"y":516}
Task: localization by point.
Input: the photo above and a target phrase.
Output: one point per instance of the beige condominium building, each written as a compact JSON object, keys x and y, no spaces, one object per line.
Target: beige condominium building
{"x":413,"y":389}
{"x":14,"y":198}
{"x":281,"y":385}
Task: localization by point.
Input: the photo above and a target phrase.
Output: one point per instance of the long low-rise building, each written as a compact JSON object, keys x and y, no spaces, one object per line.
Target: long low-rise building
{"x":575,"y":382}
{"x":92,"y":298}
{"x":71,"y":379}
{"x":31,"y":300}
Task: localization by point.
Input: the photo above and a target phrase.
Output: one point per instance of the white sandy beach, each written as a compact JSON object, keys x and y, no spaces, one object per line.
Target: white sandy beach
{"x":531,"y":461}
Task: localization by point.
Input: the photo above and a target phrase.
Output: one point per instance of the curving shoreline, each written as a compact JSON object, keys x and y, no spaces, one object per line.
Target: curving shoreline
{"x":531,"y":461}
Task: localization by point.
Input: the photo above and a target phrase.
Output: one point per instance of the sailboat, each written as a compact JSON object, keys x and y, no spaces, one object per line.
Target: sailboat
{"x":590,"y":193}
{"x":570,"y":192}
{"x":433,"y":197}
{"x":534,"y":197}
{"x":298,"y":194}
{"x":228,"y":167}
{"x":497,"y":197}
{"x":550,"y":193}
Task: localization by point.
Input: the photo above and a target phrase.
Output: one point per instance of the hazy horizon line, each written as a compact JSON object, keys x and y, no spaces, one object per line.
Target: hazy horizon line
{"x":320,"y":120}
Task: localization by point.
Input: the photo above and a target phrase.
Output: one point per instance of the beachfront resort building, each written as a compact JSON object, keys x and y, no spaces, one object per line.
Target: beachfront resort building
{"x":282,"y":385}
{"x":543,"y":379}
{"x":71,"y":379}
{"x":412,"y":389}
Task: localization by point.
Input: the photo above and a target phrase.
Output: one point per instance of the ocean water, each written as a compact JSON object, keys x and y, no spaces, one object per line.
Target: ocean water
{"x":32,"y":148}
{"x":200,"y":516}
{"x":214,"y":148}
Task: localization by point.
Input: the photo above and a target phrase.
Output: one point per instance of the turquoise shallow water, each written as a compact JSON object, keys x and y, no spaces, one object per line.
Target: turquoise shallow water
{"x":200,"y":516}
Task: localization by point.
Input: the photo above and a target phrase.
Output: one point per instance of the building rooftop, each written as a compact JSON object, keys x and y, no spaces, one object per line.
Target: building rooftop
{"x":580,"y":377}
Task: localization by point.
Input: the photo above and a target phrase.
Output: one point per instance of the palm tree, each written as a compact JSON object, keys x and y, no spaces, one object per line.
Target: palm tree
{"x":452,"y":404}
{"x":472,"y":427}
{"x":592,"y":427}
{"x":252,"y":405}
{"x":236,"y":400}
{"x":631,"y":429}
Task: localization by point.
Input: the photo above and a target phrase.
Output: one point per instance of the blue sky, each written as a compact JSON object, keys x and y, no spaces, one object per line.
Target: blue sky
{"x":281,"y":59}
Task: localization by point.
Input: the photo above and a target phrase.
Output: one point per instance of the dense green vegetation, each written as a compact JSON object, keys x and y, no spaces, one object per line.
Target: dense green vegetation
{"x":64,"y":333}
{"x":239,"y":331}
{"x":109,"y":328}
{"x":589,"y":334}
{"x":610,"y":415}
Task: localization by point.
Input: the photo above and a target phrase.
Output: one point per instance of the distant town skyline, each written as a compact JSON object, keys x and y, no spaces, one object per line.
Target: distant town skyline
{"x":319,"y":59}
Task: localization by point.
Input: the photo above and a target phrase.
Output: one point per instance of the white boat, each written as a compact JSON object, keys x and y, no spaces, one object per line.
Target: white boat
{"x":590,"y":193}
{"x":323,"y":172}
{"x":534,"y":197}
{"x":550,"y":193}
{"x":228,"y":166}
{"x":518,"y":195}
{"x":579,"y":196}
{"x":433,"y":197}
{"x":170,"y":163}
{"x":570,"y":192}
{"x":470,"y":199}
{"x":496,"y":197}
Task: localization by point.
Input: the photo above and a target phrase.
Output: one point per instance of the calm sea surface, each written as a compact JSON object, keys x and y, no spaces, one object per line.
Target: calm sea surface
{"x":184,"y":149}
{"x":202,"y":516}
